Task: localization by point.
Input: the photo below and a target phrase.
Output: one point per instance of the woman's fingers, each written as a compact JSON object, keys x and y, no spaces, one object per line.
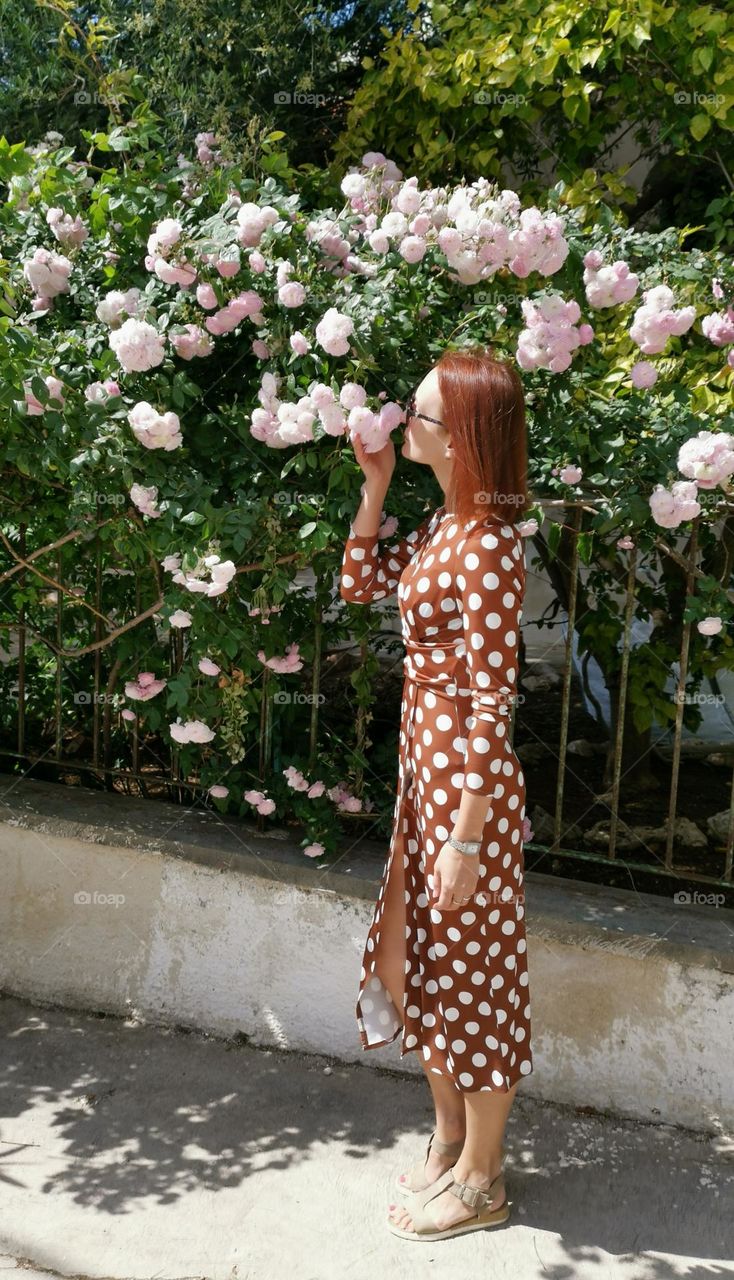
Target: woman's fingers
{"x":456,"y":883}
{"x":380,"y":463}
{"x":448,"y":892}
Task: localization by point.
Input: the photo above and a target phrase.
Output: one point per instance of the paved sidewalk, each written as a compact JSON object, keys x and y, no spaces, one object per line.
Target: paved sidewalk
{"x":129,"y":1151}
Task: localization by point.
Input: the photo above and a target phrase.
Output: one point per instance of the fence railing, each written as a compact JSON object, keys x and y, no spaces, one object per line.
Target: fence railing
{"x":88,"y":677}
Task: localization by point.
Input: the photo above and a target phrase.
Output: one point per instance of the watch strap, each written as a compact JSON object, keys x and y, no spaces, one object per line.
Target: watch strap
{"x":470,"y":847}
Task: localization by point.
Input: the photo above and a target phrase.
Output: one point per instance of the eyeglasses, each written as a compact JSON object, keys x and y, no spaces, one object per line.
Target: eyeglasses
{"x":411,"y":413}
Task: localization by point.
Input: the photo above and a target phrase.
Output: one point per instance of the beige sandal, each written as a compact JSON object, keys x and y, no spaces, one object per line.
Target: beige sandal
{"x":424,"y":1223}
{"x":407,"y":1182}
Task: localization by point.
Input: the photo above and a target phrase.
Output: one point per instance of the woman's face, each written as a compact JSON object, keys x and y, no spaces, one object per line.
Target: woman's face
{"x":423,"y":440}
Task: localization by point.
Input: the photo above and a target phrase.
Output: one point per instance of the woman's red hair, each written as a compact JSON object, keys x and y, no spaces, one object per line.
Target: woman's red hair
{"x":483,"y":408}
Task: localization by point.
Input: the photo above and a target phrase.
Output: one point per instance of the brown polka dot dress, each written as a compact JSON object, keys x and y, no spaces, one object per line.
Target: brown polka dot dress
{"x":466,"y":999}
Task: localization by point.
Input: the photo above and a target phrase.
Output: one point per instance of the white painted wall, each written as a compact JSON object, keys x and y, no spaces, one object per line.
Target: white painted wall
{"x":615,"y":1024}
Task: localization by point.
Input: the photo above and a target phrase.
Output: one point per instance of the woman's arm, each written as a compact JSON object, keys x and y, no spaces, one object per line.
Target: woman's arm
{"x":370,"y":573}
{"x":490,"y":588}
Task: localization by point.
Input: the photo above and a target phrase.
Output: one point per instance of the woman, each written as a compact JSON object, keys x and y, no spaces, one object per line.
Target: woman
{"x":445,"y":958}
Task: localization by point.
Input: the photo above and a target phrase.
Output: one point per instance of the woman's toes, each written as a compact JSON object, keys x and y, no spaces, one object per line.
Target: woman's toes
{"x":399,"y":1216}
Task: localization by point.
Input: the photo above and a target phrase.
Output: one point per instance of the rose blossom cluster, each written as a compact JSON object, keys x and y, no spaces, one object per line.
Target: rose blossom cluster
{"x":219,"y":573}
{"x":33,"y":404}
{"x":260,"y":800}
{"x":48,"y":275}
{"x":710,"y":626}
{"x":192,"y":342}
{"x":248,"y":304}
{"x":551,"y":334}
{"x":155,"y":430}
{"x":369,"y":187}
{"x":280,"y":423}
{"x":291,"y":293}
{"x":478,"y":229}
{"x":298,"y":782}
{"x":340,"y":794}
{"x":490,"y":231}
{"x":568,"y":474}
{"x":253,"y":221}
{"x":336,"y":246}
{"x":286,"y":665}
{"x":67,"y":230}
{"x":138,"y":346}
{"x":144,"y":687}
{"x":145,"y":499}
{"x":190,"y":731}
{"x":207,"y":667}
{"x":205,"y":144}
{"x":344,"y":800}
{"x":180,"y":619}
{"x":117,"y":304}
{"x":161,"y":241}
{"x":643,"y":375}
{"x":670,"y":507}
{"x":333,"y":242}
{"x":719,"y":327}
{"x":657,"y":320}
{"x":263,"y":615}
{"x":707,"y":459}
{"x":333,"y":332}
{"x":608,"y":286}
{"x":100,"y":392}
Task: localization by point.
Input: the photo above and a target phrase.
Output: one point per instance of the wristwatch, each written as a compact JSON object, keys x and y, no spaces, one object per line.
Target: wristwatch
{"x":465,"y":846}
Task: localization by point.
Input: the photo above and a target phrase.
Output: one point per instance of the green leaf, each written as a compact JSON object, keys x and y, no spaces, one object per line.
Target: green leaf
{"x":700,"y":125}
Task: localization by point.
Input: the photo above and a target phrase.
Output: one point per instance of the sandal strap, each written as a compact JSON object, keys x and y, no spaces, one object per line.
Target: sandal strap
{"x":445,"y":1148}
{"x":477,"y":1197}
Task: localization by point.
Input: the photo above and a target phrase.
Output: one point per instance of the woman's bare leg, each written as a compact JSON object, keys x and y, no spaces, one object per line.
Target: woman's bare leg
{"x":448,"y":1100}
{"x":480,"y":1161}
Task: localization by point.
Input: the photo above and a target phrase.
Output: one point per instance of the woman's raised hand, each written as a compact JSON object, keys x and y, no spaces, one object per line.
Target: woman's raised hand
{"x":377,"y":467}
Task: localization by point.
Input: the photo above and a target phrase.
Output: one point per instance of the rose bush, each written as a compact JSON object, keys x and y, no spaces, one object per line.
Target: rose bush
{"x":187,"y":355}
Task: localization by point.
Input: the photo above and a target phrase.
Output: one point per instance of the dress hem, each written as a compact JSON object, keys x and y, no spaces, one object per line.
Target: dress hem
{"x":381,"y":1044}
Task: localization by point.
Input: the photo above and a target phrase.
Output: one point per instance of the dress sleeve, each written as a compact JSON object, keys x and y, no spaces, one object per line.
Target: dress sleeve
{"x":490,"y":587}
{"x":370,"y":573}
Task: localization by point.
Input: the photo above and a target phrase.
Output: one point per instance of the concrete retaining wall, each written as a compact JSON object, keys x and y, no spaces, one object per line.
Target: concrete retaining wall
{"x":124,"y":906}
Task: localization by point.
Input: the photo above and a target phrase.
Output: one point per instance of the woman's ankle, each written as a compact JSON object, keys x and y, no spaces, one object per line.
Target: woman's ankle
{"x":450,"y":1130}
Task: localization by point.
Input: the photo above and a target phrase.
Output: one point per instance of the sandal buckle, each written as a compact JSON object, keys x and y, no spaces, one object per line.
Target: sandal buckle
{"x":475,"y":1197}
